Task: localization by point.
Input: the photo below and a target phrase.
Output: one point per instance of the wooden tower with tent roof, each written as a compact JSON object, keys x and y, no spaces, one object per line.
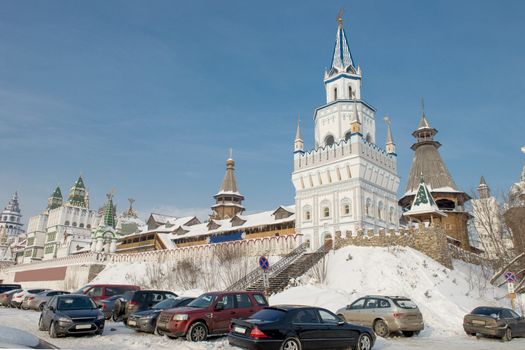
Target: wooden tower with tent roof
{"x":427,"y":163}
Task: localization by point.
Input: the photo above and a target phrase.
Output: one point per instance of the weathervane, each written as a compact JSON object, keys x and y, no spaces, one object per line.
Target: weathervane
{"x":339,"y":17}
{"x":110,"y":194}
{"x":387,"y":120}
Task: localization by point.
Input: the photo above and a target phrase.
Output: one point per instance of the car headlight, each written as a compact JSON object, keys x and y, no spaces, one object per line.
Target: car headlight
{"x":64,"y":319}
{"x":149,"y":317}
{"x":100,"y":317}
{"x":180,"y":317}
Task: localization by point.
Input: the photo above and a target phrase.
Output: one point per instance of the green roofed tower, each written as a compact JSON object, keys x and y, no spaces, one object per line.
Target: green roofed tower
{"x":109,"y":212}
{"x":78,"y":194}
{"x":56,"y":200}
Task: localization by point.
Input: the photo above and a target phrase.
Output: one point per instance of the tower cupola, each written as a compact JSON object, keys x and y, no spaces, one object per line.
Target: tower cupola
{"x":483,"y":189}
{"x":228,"y":201}
{"x":77,"y":194}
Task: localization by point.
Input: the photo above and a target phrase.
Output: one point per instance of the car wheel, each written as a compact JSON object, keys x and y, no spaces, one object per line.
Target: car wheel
{"x":53,"y":330}
{"x":471,"y":334}
{"x":408,"y":334}
{"x":157,"y":331}
{"x":197,"y":332}
{"x":41,"y":324}
{"x":291,"y":344}
{"x":364,"y":342}
{"x":381,"y":328}
{"x":508,"y":335}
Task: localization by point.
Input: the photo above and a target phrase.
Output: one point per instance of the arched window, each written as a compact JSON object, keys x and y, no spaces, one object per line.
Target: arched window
{"x":329,"y":140}
{"x":81,"y":225}
{"x":350,"y":93}
{"x":326,"y":212}
{"x":88,"y":226}
{"x":368,"y":138}
{"x":368,"y":206}
{"x":66,"y":223}
{"x":307,"y":213}
{"x":380,"y":211}
{"x":346,"y":207}
{"x":335,"y":94}
{"x":74,"y":224}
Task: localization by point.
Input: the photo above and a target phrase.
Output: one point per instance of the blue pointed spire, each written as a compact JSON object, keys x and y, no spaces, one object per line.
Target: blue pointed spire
{"x":342,"y":57}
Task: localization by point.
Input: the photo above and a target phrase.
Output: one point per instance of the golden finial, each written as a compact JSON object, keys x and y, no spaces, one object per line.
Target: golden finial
{"x":340,"y":18}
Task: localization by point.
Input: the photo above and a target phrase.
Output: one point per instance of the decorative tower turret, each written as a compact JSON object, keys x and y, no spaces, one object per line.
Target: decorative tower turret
{"x":390,"y":145}
{"x":77,"y":194}
{"x":483,"y":189}
{"x":11,"y":218}
{"x":56,"y":200}
{"x":228,"y":201}
{"x":428,"y":163}
{"x":104,"y":237}
{"x":298,"y":143}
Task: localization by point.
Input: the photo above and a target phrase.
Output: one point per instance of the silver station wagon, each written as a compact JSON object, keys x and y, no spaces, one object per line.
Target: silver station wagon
{"x":385,"y":315}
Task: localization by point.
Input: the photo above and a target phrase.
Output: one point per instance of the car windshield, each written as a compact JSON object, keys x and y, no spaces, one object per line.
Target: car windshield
{"x":82,"y":290}
{"x":203,"y":301}
{"x":268,"y":315}
{"x":487,"y":311}
{"x":75,"y":303}
{"x":405,"y":303}
{"x":167,"y":304}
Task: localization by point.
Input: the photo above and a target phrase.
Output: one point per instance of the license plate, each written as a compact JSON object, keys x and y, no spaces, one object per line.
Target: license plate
{"x":478,"y":322}
{"x":83,"y":326}
{"x":239,"y":330}
{"x":132,"y":322}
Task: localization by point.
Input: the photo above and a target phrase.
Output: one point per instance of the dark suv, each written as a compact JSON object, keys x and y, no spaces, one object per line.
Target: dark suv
{"x":144,"y":300}
{"x":7,"y":287}
{"x":209,"y":314}
{"x":71,"y":314}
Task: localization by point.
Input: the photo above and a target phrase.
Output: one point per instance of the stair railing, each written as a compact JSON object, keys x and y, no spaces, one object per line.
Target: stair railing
{"x":255,"y":274}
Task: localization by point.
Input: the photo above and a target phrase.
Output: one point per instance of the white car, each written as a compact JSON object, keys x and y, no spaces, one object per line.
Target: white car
{"x":17,"y":299}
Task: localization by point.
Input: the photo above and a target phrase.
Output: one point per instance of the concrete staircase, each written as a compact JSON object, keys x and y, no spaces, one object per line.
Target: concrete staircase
{"x":294,"y":265}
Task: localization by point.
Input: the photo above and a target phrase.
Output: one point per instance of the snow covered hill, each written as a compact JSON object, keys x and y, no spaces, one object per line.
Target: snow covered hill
{"x":443,"y":295}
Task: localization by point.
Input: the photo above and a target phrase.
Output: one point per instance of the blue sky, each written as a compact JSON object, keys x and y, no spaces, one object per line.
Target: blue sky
{"x":146,"y":97}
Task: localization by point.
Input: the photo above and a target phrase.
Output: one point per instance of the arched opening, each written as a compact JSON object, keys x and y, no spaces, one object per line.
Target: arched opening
{"x":326,"y":212}
{"x":329,"y":140}
{"x":350,"y":92}
{"x":335,"y":94}
{"x":368,"y":138}
{"x":348,"y":135}
{"x":367,"y":206}
{"x":446,"y":204}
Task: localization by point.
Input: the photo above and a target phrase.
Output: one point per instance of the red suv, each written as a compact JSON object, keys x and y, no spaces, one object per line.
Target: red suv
{"x":99,"y":292}
{"x":209,"y":314}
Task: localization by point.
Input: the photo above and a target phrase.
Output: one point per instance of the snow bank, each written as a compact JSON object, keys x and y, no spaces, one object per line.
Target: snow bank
{"x":444,"y":296}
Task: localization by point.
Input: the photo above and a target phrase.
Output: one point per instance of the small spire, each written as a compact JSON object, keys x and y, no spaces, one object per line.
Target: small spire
{"x":298,"y":135}
{"x":482,"y":181}
{"x":339,"y":18}
{"x":483,"y":188}
{"x":390,"y":145}
{"x":231,"y":154}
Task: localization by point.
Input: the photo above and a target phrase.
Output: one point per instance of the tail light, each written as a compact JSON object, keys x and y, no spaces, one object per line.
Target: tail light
{"x":30,"y":298}
{"x":257,"y":333}
{"x":398,"y":314}
{"x":132,"y":303}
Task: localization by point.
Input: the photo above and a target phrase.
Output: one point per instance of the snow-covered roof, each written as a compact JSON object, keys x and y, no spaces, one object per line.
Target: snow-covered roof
{"x":250,"y":220}
{"x":423,"y":202}
{"x":161,"y":218}
{"x":165,"y":238}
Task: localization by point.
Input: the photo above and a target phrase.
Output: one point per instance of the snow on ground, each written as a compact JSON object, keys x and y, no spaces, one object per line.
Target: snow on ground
{"x":116,"y":336}
{"x":444,"y":296}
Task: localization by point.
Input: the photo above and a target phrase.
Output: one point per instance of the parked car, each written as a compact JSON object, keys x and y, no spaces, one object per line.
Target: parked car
{"x":209,"y":314}
{"x":16,"y":300}
{"x":145,"y":321}
{"x":7,"y":287}
{"x":5,"y":298}
{"x":494,"y":321}
{"x":38,"y":301}
{"x":145,"y":300}
{"x":71,"y":314}
{"x":99,"y":292}
{"x":385,"y":315}
{"x":108,"y":305}
{"x":13,"y":338}
{"x":298,"y":327}
{"x":119,"y":307}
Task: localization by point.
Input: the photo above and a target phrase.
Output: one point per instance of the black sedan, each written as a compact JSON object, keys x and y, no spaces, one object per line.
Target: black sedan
{"x":292,"y":327}
{"x":495,"y":322}
{"x":71,"y":314}
{"x":146,"y":321}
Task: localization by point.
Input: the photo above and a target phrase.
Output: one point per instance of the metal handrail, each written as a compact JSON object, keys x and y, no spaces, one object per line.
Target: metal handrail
{"x":255,"y":274}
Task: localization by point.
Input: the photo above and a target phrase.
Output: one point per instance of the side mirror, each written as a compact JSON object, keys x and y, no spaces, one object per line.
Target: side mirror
{"x":219,"y":307}
{"x":348,"y":307}
{"x":51,"y":308}
{"x":341,"y":323}
{"x":100,"y":306}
